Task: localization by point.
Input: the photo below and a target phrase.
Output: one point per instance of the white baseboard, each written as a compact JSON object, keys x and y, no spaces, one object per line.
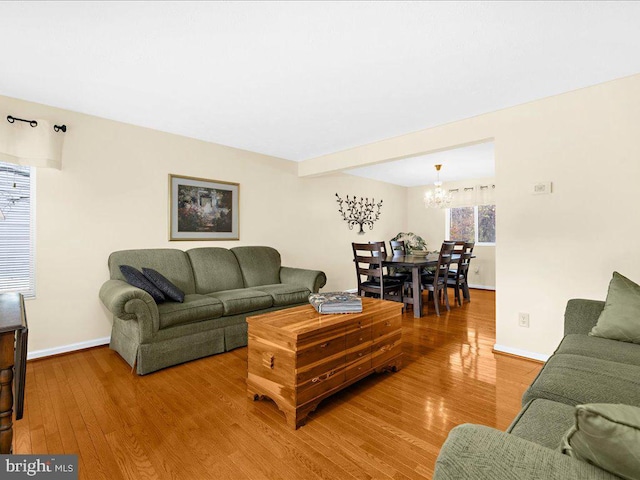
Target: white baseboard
{"x":351,"y":290}
{"x":521,"y":353}
{"x":47,"y":352}
{"x":482,"y":287}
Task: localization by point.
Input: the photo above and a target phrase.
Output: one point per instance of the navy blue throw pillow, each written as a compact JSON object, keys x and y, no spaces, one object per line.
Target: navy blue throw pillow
{"x":137,"y":279}
{"x":164,"y":285}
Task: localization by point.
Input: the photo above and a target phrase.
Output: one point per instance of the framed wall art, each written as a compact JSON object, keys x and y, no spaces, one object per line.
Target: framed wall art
{"x":202,"y":209}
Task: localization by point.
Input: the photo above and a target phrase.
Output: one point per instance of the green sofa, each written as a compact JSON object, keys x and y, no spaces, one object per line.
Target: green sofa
{"x":583,"y":369}
{"x":222,"y":287}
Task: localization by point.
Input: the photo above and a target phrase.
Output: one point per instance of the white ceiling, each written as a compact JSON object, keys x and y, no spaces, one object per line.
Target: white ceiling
{"x":302,"y":79}
{"x":465,"y":163}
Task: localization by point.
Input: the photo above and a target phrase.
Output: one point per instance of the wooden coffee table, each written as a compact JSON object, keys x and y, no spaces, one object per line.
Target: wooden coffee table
{"x":298,"y":357}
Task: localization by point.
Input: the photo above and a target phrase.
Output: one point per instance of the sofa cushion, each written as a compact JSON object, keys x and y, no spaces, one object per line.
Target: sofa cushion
{"x":162,"y":283}
{"x":574,"y":379}
{"x":613,"y":350}
{"x":242,"y":300}
{"x":285,"y":294}
{"x":137,"y":279}
{"x":608,"y":436}
{"x":581,"y":315}
{"x":620,"y":319}
{"x":543,"y":422}
{"x":173,"y":264}
{"x":259,"y":265}
{"x":476,"y":452}
{"x":194,"y":308}
{"x":215,"y":269}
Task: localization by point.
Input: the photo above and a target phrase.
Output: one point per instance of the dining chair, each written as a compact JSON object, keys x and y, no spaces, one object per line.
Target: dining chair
{"x":371,"y":275}
{"x":452,"y":243}
{"x":457,"y":250}
{"x":393,"y":273}
{"x":429,"y":270}
{"x":458,"y":277}
{"x":458,"y":245}
{"x":398,"y":247}
{"x":436,"y":283}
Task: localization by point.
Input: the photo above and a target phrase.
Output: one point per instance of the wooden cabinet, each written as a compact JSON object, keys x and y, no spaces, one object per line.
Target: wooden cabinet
{"x":298,"y":357}
{"x":13,"y":356}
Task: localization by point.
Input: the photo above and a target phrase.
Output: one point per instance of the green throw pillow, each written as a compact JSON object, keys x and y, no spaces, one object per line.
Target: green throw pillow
{"x":608,"y":436}
{"x":620,"y":319}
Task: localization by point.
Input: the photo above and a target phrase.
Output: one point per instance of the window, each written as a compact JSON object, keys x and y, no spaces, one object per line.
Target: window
{"x":486,"y":222}
{"x":472,"y":224}
{"x":17,"y":272}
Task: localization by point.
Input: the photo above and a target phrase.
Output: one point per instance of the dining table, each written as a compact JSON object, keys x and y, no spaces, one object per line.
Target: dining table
{"x":417,"y":263}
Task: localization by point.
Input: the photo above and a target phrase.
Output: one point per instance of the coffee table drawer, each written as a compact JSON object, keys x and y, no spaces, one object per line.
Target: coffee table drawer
{"x":360,"y":324}
{"x":386,"y":327}
{"x":319,"y":385}
{"x":325,"y":365}
{"x":315,"y":352}
{"x":358,"y":353}
{"x":358,"y":337}
{"x":358,"y":368}
{"x":384,"y":351}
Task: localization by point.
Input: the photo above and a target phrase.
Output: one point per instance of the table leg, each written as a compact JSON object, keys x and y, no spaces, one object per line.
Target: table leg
{"x":6,"y":391}
{"x":417,"y":293}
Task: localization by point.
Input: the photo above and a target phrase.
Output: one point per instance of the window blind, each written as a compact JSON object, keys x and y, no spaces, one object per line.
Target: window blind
{"x":17,"y":273}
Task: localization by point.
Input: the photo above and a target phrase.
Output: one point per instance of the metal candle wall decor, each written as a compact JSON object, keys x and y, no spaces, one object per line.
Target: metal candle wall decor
{"x":359,"y":212}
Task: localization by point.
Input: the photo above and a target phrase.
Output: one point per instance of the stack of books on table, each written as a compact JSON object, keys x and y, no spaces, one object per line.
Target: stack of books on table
{"x":336,"y":302}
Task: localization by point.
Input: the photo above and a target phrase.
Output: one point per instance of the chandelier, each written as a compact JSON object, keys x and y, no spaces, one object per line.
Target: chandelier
{"x":438,"y":197}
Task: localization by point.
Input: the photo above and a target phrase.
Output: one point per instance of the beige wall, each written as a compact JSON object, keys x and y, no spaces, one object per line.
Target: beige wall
{"x":567,"y":244}
{"x":429,"y":223}
{"x":550,"y":247}
{"x":112,"y":193}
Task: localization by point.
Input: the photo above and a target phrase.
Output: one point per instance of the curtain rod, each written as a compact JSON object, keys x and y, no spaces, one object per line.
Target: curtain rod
{"x":34,"y":124}
{"x":466,"y":189}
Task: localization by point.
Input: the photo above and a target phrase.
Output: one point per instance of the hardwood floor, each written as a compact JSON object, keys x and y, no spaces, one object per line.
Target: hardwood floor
{"x":194,"y":421}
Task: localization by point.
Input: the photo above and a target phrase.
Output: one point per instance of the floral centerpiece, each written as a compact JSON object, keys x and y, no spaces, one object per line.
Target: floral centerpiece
{"x":414,"y":244}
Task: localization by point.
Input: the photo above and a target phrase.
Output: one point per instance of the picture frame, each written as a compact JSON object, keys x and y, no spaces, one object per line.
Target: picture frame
{"x":203,"y":209}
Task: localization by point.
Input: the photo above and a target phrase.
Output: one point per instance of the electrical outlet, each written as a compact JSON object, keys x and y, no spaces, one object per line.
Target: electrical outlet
{"x":523,"y":320}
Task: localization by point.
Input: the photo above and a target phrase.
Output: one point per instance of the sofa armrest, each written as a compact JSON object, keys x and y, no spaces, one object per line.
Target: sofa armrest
{"x":131,"y":303}
{"x":479,"y":452}
{"x":581,"y":315}
{"x":314,"y":280}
